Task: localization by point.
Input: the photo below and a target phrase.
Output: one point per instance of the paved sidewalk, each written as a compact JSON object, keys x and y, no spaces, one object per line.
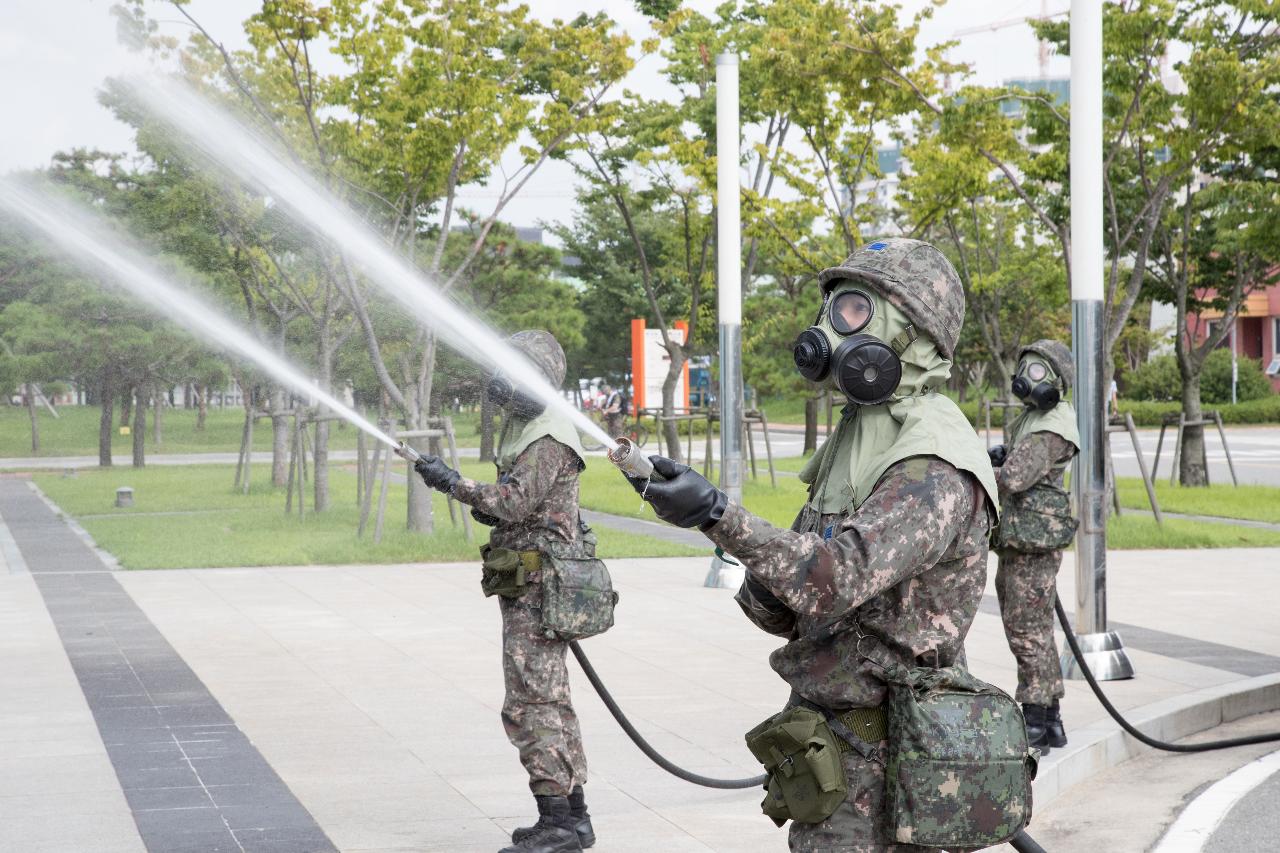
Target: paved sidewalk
{"x":371,"y":694}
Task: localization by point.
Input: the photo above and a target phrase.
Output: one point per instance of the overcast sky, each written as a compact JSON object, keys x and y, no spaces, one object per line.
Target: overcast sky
{"x":54,"y":55}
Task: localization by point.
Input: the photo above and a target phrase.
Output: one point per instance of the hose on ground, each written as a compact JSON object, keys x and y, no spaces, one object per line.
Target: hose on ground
{"x":645,"y":746}
{"x":1129,"y":727}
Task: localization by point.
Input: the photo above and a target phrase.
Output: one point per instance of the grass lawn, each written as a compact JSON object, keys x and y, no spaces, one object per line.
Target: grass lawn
{"x":1256,"y":503}
{"x":75,"y":433}
{"x":604,"y":490}
{"x":216,"y":526}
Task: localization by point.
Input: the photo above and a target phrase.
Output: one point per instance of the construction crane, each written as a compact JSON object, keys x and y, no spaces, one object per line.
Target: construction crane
{"x":1045,"y":14}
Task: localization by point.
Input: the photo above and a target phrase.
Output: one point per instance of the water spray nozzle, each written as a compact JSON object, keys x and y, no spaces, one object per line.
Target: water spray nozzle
{"x":407,"y":453}
{"x":630,"y":460}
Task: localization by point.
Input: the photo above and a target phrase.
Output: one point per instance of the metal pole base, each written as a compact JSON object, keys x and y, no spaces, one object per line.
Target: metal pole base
{"x":1105,"y":655}
{"x":725,"y":575}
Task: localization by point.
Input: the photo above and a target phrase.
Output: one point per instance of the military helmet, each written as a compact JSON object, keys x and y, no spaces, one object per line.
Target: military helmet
{"x":915,"y":277}
{"x":541,"y":348}
{"x":1058,"y":356}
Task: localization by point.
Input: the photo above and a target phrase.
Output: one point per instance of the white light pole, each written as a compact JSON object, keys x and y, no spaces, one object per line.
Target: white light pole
{"x":729,"y":289}
{"x":1103,"y":649}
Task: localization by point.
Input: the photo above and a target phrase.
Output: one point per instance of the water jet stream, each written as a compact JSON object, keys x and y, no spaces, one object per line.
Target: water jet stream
{"x":237,"y":151}
{"x":98,"y":249}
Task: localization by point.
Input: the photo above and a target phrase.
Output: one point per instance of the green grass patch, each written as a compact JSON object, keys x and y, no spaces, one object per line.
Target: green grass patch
{"x":1129,"y":532}
{"x":1255,"y":503}
{"x":75,"y":432}
{"x":213,"y":525}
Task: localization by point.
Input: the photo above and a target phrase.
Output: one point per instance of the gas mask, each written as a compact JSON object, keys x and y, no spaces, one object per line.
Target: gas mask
{"x":515,"y":402}
{"x":1036,"y":384}
{"x":843,"y":349}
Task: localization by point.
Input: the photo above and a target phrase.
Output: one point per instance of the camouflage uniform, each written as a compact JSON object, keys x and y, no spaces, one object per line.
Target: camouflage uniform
{"x":535,"y":504}
{"x":906,"y":569}
{"x":1027,"y":583}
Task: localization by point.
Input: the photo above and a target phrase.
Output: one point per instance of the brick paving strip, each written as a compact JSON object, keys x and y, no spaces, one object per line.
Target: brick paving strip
{"x":192,"y":779}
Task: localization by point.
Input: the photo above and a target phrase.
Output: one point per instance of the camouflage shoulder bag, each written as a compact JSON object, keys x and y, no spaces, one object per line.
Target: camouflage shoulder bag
{"x":577,"y":597}
{"x":1037,"y":520}
{"x":959,"y":769}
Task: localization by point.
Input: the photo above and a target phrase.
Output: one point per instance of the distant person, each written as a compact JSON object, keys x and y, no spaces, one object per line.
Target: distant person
{"x":1035,"y":525}
{"x":612,"y":409}
{"x":537,"y":544}
{"x":1113,"y":401}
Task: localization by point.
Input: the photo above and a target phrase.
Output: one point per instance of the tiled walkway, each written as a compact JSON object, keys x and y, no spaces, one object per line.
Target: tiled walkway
{"x":357,"y":707}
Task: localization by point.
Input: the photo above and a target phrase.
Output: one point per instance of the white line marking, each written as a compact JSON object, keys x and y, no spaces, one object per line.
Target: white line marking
{"x":1206,"y":812}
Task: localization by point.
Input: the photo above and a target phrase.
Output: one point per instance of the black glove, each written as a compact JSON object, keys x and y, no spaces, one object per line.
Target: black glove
{"x":997,"y":454}
{"x":681,"y":496}
{"x":436,"y":474}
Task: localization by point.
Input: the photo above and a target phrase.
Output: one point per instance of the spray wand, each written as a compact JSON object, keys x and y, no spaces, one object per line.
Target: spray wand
{"x":407,"y":453}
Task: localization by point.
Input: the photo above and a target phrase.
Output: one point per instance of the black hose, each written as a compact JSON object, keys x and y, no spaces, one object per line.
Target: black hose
{"x":645,"y":747}
{"x":1126,"y":725}
{"x":1024,"y":843}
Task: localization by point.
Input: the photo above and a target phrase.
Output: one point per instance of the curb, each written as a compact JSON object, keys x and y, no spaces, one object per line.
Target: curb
{"x":108,"y":559}
{"x":1099,"y":747}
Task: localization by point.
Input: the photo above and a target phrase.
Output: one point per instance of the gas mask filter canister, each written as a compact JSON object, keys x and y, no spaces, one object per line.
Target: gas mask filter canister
{"x":861,"y":366}
{"x":506,"y":396}
{"x":1036,"y":385}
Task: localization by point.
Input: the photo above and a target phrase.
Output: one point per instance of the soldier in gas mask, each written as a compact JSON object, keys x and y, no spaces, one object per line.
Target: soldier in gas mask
{"x":1036,"y":525}
{"x":886,"y":563}
{"x":533,"y":509}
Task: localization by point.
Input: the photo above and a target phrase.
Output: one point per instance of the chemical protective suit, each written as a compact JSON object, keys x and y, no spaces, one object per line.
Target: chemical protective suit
{"x":886,"y":563}
{"x":1041,"y":441}
{"x":533,"y":508}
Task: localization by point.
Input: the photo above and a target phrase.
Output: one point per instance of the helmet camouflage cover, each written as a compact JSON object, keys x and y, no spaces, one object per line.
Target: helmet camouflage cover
{"x":541,"y":348}
{"x":915,"y":277}
{"x":1058,"y":356}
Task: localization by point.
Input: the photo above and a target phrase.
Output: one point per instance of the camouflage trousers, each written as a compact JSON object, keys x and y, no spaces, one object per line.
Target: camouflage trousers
{"x":862,"y":823}
{"x":1026,"y":585}
{"x":537,"y":711}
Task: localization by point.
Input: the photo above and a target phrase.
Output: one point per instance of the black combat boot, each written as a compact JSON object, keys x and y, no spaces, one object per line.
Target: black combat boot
{"x":553,"y":833}
{"x":1037,"y":733}
{"x":581,"y":819}
{"x":1055,"y":734}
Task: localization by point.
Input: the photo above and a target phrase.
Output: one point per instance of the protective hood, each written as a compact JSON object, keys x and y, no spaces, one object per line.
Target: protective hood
{"x":1060,"y":420}
{"x":915,"y":421}
{"x":517,"y":434}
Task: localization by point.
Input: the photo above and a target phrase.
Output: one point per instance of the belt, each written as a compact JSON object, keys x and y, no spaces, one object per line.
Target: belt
{"x":531,"y":560}
{"x":870,"y":725}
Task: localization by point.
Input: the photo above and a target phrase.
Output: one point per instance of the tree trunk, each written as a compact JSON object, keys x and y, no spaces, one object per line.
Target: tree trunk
{"x":1192,"y":467}
{"x":202,"y":411}
{"x":279,"y":437}
{"x":486,"y":429}
{"x":106,"y":424}
{"x":670,"y":428}
{"x":421,"y":516}
{"x":126,"y":405}
{"x":810,"y":424}
{"x":139,"y":428}
{"x":35,"y":420}
{"x":157,"y":419}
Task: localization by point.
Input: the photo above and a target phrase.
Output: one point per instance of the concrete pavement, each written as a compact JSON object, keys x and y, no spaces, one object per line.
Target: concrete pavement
{"x":362,"y":702}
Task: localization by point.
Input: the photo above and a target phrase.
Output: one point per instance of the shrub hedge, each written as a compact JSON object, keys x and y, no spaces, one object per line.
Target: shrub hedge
{"x":1149,"y":414}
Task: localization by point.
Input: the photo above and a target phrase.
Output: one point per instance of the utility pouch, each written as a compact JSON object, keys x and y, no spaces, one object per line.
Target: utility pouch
{"x":959,"y":770}
{"x":802,"y":757}
{"x":503,"y":572}
{"x":1036,"y":521}
{"x":577,"y":597}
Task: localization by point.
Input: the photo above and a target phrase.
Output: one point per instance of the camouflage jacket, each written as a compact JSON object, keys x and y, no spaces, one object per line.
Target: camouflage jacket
{"x":1040,"y":456}
{"x":906,"y":569}
{"x":535,"y":502}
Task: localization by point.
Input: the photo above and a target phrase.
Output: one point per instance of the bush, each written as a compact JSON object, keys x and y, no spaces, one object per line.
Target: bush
{"x":1158,"y":380}
{"x":1215,"y":381}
